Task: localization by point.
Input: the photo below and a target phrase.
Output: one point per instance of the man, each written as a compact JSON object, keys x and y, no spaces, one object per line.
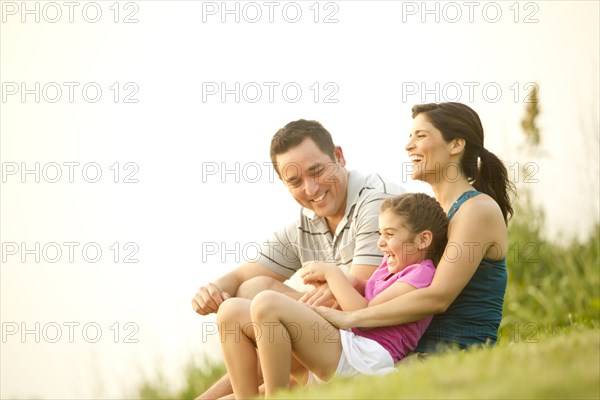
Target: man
{"x":338,"y":223}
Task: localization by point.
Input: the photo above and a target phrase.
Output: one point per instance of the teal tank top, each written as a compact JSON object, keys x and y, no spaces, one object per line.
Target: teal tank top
{"x":474,"y":317}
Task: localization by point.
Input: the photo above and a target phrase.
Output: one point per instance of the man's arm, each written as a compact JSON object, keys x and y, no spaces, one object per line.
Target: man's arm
{"x":209,"y":297}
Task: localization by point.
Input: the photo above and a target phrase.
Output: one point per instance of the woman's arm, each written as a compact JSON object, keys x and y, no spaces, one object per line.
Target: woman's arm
{"x":474,"y":229}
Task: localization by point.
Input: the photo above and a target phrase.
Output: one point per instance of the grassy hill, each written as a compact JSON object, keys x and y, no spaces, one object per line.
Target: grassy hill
{"x":565,"y":364}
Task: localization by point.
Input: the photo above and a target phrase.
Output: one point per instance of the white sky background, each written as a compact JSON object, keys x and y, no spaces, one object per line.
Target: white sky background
{"x":371,"y":56}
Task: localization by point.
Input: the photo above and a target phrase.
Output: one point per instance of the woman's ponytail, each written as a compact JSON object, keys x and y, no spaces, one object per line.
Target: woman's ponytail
{"x":493,"y":181}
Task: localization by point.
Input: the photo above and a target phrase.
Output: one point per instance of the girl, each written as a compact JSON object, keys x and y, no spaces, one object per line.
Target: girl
{"x":291,"y":338}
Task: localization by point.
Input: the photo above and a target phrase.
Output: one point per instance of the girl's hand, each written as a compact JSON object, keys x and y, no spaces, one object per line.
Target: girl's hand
{"x":315,"y":271}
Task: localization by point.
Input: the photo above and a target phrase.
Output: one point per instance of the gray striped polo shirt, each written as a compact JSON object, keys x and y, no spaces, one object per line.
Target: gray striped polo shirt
{"x":355,"y":241}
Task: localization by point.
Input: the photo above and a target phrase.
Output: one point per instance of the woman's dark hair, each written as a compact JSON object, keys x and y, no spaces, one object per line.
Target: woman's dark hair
{"x":422,"y":213}
{"x":483,"y":169}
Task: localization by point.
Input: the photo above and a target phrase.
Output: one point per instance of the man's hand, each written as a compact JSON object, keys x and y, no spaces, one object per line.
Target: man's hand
{"x":208,"y":299}
{"x":320,"y":296}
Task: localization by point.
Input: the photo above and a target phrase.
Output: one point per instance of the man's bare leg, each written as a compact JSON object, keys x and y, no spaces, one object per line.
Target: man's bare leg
{"x":223,"y":385}
{"x":247,"y":290}
{"x":218,"y":390}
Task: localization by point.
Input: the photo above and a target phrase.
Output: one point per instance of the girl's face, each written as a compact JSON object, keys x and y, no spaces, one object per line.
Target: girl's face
{"x":429,"y":153}
{"x":397,"y":242}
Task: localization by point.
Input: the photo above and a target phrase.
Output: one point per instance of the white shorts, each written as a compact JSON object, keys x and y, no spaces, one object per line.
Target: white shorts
{"x":360,"y":355}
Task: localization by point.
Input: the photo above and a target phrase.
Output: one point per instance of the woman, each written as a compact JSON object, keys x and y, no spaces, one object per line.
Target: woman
{"x":471,"y":184}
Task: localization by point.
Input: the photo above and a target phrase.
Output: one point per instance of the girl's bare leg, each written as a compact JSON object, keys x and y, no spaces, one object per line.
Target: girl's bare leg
{"x":283,"y":325}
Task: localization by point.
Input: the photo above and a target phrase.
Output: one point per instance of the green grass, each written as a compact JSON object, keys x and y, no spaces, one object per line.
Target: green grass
{"x":549,"y":284}
{"x":199,"y":377}
{"x":560,"y":365}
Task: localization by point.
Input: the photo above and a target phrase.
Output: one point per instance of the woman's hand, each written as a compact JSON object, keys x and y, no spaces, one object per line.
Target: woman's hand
{"x":340,"y":319}
{"x":316,"y":271}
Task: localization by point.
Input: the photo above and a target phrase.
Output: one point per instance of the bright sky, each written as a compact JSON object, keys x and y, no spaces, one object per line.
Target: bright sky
{"x":149,"y":138}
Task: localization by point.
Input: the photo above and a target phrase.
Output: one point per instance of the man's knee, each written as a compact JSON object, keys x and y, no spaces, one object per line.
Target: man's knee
{"x":252,"y":287}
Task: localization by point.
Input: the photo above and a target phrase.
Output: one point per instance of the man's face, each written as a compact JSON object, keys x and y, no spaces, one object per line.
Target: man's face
{"x":314,"y":180}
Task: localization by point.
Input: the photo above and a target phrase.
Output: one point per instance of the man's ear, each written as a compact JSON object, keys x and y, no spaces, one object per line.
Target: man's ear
{"x":338,"y":155}
{"x":424,"y":239}
{"x":457,"y":145}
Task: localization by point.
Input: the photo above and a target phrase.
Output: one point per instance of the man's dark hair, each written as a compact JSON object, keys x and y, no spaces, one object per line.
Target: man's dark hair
{"x":295,"y":133}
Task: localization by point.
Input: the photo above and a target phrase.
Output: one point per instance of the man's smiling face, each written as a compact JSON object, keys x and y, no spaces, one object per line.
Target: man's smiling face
{"x":315,"y":180}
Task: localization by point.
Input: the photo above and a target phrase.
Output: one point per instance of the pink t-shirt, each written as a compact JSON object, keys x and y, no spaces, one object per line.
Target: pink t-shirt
{"x":399,"y":340}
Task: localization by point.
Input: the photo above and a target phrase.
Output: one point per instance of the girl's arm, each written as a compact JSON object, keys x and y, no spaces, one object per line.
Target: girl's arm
{"x":346,"y":295}
{"x":475,"y":228}
{"x":358,"y":277}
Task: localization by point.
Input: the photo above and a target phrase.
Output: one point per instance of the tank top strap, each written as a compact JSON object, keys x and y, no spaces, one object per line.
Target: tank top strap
{"x":461,"y":199}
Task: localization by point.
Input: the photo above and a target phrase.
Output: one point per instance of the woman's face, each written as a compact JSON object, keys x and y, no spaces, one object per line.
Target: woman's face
{"x":430,"y":153}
